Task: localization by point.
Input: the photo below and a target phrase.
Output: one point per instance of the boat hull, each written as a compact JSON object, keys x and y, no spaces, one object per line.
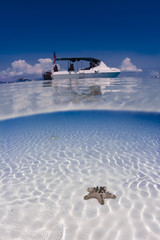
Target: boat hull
{"x":85,"y":75}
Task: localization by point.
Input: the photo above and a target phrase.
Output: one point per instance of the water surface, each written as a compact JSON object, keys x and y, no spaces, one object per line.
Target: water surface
{"x":123,"y":93}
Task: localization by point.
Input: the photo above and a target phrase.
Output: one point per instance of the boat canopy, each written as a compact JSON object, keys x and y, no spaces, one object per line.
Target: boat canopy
{"x":79,"y":59}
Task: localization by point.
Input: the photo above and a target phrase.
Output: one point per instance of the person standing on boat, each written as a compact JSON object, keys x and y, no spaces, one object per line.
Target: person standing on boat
{"x":55,"y":68}
{"x":92,"y":64}
{"x":71,"y":69}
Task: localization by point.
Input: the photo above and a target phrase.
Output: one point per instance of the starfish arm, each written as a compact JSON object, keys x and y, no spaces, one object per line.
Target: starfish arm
{"x":98,"y":196}
{"x":90,"y":195}
{"x":109,"y":195}
{"x":100,"y":199}
{"x":90,"y":190}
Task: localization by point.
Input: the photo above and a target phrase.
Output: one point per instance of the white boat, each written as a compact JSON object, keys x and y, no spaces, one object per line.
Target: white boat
{"x":95,"y":69}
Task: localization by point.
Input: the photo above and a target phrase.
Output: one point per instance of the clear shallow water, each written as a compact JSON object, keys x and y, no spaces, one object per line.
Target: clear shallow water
{"x":48,"y":161}
{"x":124,"y":93}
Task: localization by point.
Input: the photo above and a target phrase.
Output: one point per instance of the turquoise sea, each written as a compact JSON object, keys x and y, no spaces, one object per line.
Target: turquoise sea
{"x":57,"y":138}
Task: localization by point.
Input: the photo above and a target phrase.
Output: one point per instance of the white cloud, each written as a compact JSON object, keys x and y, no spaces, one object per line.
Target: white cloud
{"x":128,"y":66}
{"x":21,"y":68}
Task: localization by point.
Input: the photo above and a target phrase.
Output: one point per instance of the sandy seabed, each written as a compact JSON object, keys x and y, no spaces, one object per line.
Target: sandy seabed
{"x":48,"y":161}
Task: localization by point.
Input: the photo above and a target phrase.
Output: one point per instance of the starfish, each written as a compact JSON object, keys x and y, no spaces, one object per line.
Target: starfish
{"x":99,"y":193}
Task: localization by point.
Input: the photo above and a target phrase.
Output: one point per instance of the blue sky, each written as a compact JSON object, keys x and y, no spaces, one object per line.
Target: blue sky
{"x":111,"y":30}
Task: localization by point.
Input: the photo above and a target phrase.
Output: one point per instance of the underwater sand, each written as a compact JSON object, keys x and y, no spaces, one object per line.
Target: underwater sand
{"x":48,"y":161}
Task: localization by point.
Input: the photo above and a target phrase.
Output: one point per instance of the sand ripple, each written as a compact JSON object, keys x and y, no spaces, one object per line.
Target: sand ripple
{"x":49,"y":161}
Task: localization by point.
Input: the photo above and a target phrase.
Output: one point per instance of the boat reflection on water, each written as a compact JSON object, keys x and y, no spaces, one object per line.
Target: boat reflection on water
{"x":73,"y":90}
{"x":95,"y":90}
{"x":47,"y":83}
